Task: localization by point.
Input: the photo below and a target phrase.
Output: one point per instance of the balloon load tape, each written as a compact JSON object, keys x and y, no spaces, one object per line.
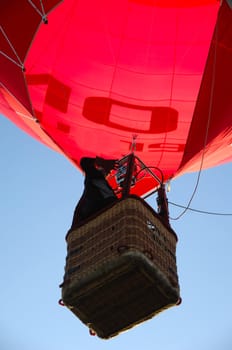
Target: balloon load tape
{"x":120,"y":268}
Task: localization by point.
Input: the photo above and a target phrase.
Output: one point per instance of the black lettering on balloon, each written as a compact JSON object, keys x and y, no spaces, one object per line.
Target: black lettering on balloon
{"x":57,"y":94}
{"x":98,"y":110}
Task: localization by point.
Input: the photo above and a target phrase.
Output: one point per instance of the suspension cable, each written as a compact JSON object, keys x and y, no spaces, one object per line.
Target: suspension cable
{"x":149,"y":168}
{"x":42,"y":12}
{"x":44,"y":19}
{"x":19,"y":63}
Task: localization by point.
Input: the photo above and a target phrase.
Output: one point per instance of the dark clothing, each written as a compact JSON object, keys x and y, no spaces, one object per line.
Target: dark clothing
{"x":97,"y":193}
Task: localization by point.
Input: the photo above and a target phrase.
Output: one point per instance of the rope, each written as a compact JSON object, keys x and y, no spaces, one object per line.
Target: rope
{"x":206,"y":131}
{"x":200,"y":211}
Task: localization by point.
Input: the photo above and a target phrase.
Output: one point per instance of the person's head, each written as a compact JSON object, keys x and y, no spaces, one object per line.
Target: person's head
{"x":87,"y":164}
{"x":90,"y":168}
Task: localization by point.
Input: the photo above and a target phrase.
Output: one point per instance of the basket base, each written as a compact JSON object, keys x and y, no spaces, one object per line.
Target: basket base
{"x":120,"y":294}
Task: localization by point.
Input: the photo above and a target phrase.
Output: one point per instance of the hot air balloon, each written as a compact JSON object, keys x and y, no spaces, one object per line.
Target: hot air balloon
{"x":144,"y":81}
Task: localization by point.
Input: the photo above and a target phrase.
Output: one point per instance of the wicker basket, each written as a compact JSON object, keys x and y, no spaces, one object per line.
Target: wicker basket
{"x":120,"y":268}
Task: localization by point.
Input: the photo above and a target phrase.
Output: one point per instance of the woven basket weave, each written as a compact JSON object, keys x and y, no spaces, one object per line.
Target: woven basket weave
{"x":120,"y":268}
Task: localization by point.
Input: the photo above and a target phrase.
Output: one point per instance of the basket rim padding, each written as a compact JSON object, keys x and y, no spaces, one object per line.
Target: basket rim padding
{"x":133,"y":197}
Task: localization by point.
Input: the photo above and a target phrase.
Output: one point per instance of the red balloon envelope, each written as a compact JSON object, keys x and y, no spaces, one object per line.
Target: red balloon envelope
{"x":84,"y":76}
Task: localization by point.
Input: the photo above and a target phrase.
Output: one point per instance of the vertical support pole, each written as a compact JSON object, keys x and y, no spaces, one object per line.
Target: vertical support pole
{"x":162,"y":203}
{"x":129,"y":174}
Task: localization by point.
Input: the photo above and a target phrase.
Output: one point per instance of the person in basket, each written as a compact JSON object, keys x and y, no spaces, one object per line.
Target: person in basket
{"x":97,"y":192}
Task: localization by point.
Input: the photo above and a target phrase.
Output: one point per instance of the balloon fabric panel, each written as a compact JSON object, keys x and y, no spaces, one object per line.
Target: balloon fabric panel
{"x":101,"y":72}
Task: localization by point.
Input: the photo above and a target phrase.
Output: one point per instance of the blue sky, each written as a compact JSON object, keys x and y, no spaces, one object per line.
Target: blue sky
{"x":39,"y":190}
